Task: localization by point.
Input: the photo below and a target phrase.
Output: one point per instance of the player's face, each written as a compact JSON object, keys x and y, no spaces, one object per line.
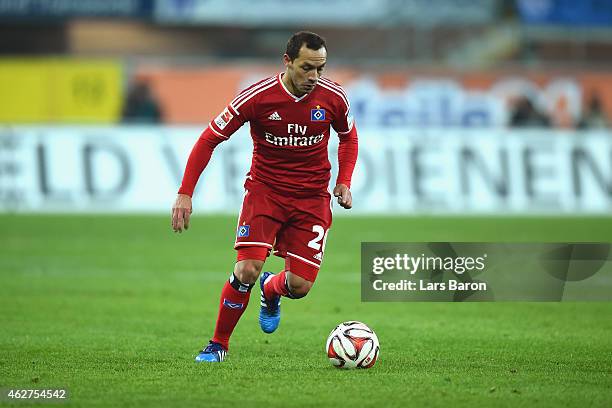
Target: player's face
{"x":306,"y":69}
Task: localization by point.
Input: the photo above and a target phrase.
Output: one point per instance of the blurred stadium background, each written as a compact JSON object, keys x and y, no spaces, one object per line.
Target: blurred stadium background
{"x":479,"y":120}
{"x":486,"y":106}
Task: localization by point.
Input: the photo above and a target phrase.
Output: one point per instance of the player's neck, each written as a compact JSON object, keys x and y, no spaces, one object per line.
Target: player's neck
{"x":289,"y":85}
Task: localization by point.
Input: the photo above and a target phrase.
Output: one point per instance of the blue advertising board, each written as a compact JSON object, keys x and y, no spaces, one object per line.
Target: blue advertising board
{"x":566,"y":12}
{"x":59,"y":9}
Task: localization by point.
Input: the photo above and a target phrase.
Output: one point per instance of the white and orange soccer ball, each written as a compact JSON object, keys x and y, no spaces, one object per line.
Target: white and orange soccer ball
{"x":352,"y":345}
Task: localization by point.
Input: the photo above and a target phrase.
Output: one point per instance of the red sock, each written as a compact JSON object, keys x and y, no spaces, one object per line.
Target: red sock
{"x":233,"y":303}
{"x":276,"y":286}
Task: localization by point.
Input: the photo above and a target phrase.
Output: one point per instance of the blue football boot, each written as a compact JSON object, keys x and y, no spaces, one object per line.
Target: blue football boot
{"x":269,"y":313}
{"x":213,"y":353}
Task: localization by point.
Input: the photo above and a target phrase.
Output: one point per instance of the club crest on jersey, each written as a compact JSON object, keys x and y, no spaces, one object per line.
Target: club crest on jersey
{"x":317,"y":115}
{"x":243,"y":231}
{"x":223,"y":119}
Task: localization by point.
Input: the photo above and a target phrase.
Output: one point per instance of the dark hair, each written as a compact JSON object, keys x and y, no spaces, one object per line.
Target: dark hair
{"x":311,"y":40}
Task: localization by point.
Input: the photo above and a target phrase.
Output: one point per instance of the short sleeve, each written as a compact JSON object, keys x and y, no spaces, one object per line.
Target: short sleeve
{"x":239,"y":111}
{"x":342,"y":119}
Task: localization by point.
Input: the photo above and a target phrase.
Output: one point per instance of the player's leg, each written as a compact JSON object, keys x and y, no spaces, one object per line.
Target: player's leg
{"x":298,"y":287}
{"x":257,"y":228}
{"x":302,"y":243}
{"x":234,"y":300}
{"x":236,"y":292}
{"x":286,"y":284}
{"x":294,"y":282}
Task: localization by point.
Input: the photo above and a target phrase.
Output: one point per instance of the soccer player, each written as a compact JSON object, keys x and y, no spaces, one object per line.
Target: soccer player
{"x":287,"y":204}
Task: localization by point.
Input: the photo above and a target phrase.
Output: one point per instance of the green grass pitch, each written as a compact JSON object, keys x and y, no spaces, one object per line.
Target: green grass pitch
{"x":114,"y":308}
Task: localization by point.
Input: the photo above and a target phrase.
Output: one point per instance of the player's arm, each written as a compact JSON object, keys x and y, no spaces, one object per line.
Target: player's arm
{"x":217,"y":131}
{"x":198,"y":159}
{"x":347,"y":155}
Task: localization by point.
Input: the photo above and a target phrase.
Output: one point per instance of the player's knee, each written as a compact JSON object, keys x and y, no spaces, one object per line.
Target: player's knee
{"x":248,"y":271}
{"x":298,"y":288}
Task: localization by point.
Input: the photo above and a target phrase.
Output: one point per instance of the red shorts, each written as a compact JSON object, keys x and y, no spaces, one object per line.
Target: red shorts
{"x":291,"y":226}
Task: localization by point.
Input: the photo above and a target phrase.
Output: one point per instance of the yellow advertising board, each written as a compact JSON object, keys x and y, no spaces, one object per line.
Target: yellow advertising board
{"x":60,"y":90}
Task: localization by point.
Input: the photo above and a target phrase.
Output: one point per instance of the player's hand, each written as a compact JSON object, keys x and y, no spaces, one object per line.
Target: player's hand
{"x":345,"y":199}
{"x":181,"y":211}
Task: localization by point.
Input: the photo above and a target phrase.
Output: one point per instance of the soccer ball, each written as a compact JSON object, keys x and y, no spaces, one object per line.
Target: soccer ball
{"x":352,"y":345}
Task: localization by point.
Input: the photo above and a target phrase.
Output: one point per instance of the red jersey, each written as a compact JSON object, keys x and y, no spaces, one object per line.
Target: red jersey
{"x":290,"y":134}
